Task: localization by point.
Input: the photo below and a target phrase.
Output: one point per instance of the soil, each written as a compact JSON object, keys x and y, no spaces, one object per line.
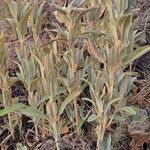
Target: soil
{"x":128,"y":140}
{"x":141,"y":17}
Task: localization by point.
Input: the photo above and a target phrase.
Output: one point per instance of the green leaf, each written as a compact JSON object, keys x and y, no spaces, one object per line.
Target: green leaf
{"x":68,"y":100}
{"x":128,"y":110}
{"x":38,"y":24}
{"x":12,"y":23}
{"x":61,"y":90}
{"x":32,"y":112}
{"x":23,"y":22}
{"x":111,"y":102}
{"x":33,"y":84}
{"x":92,"y":118}
{"x":19,"y":146}
{"x":61,"y":10}
{"x":80,"y":123}
{"x":76,"y":3}
{"x":40,"y":8}
{"x":119,"y":118}
{"x":13,"y":108}
{"x":108,"y":142}
{"x":129,"y":58}
{"x":89,"y":100}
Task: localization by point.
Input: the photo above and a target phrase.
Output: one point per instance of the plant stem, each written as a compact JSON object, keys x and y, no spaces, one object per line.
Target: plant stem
{"x":101,"y":131}
{"x":76,"y":115}
{"x":4,"y":93}
{"x":73,"y":76}
{"x":36,"y":131}
{"x":56,"y":136}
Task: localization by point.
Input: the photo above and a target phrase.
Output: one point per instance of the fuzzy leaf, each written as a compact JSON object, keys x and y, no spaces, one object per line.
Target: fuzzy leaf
{"x":108,"y":142}
{"x":12,"y":108}
{"x":92,"y":118}
{"x":68,"y":100}
{"x":12,"y":23}
{"x":128,"y":110}
{"x":119,"y":118}
{"x":32,"y":112}
{"x":129,"y":58}
{"x":19,"y":146}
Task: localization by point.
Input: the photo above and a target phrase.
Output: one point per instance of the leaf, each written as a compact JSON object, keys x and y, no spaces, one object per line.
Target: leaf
{"x":12,"y":108}
{"x":12,"y":23}
{"x":19,"y":146}
{"x":119,"y":118}
{"x":111,"y":102}
{"x":23,"y":22}
{"x":108,"y":142}
{"x":11,"y":8}
{"x":92,"y":118}
{"x":32,"y":112}
{"x":61,"y":90}
{"x":12,"y":81}
{"x":41,"y":8}
{"x":2,"y":50}
{"x":44,"y":98}
{"x":38,"y":24}
{"x":64,"y":129}
{"x":128,"y":110}
{"x":135,"y":54}
{"x":76,"y":29}
{"x":68,"y":100}
{"x":89,"y":100}
{"x":76,"y":3}
{"x":42,"y":69}
{"x":83,"y":13}
{"x":93,"y":51}
{"x":51,"y":41}
{"x":59,"y":9}
{"x":33,"y":84}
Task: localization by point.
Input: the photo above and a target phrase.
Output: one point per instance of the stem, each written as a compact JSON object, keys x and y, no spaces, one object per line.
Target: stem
{"x":99,"y":135}
{"x":101,"y":131}
{"x":21,"y":49}
{"x":112,"y":117}
{"x":36,"y":40}
{"x":30,"y":98}
{"x":76,"y":115}
{"x":20,"y":125}
{"x":73,"y":76}
{"x":36,"y":132}
{"x":10,"y":126}
{"x":33,"y":104}
{"x":56,"y":136}
{"x":9,"y":116}
{"x":57,"y":145}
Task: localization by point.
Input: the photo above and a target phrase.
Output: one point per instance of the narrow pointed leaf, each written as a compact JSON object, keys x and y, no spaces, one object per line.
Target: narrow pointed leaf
{"x":32,"y":112}
{"x":135,"y":54}
{"x":92,"y":118}
{"x":128,"y":110}
{"x":68,"y":100}
{"x":13,"y":108}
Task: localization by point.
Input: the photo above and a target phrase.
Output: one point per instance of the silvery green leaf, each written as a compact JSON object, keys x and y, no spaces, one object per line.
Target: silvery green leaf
{"x":119,"y":118}
{"x":19,"y":146}
{"x":12,"y":108}
{"x":92,"y":118}
{"x":129,"y":110}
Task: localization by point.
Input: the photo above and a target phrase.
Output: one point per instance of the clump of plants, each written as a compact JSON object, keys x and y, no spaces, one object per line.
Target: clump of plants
{"x":78,"y":75}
